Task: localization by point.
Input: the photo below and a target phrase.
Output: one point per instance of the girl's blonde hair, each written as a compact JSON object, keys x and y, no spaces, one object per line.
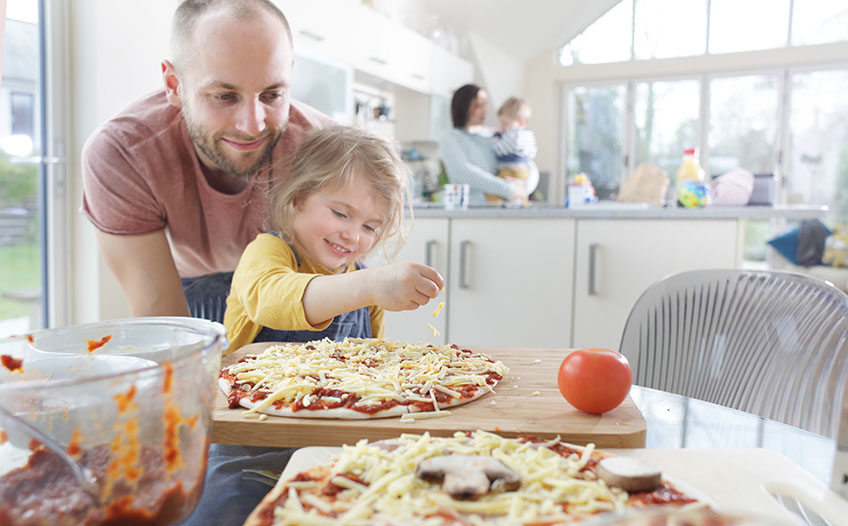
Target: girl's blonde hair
{"x":333,"y":156}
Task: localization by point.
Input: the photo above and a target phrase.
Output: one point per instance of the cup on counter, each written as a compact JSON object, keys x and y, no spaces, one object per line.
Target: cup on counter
{"x":456,"y":196}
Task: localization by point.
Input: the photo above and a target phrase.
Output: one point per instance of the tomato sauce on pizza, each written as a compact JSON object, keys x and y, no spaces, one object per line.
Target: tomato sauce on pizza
{"x":470,"y":478}
{"x":358,"y":378}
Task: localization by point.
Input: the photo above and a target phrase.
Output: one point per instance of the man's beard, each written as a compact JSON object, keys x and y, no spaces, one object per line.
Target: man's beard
{"x":215,"y":153}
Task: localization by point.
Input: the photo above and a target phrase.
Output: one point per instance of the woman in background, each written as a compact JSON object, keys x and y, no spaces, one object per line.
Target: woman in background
{"x":467,"y":152}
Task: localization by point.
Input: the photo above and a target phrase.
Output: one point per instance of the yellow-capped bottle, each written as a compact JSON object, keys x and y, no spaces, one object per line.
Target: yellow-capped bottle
{"x":690,"y":169}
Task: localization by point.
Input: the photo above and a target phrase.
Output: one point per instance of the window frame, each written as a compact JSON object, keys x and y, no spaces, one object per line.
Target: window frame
{"x":58,"y":204}
{"x":781,"y":61}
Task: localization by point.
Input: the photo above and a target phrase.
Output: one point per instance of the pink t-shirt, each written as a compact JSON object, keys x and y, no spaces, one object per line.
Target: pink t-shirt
{"x":141,"y":174}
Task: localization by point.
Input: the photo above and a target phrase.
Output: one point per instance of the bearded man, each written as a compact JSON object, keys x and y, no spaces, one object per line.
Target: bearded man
{"x":176,"y":184}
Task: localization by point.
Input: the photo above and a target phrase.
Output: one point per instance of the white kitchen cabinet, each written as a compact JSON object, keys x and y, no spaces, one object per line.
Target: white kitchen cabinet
{"x":318,"y":34}
{"x":448,"y":72}
{"x":374,"y":44}
{"x":510,"y":282}
{"x":616,"y":260}
{"x":410,"y":58}
{"x":428,"y":244}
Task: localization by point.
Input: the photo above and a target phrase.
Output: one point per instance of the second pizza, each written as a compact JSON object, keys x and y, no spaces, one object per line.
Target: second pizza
{"x":358,"y":378}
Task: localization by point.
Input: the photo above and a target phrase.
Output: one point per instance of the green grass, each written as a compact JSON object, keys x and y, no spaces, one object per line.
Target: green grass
{"x":20,"y":268}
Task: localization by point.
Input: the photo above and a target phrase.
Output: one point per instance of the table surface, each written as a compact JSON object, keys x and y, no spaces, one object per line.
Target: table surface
{"x":679,"y":422}
{"x":511,"y":410}
{"x":673,"y":422}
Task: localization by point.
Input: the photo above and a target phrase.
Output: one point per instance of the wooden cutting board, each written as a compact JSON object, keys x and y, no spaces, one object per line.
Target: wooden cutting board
{"x":510,"y":411}
{"x":731,"y":480}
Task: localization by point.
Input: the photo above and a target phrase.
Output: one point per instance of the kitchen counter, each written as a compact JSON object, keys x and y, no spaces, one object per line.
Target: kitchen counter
{"x":572,"y":273}
{"x":620,"y":211}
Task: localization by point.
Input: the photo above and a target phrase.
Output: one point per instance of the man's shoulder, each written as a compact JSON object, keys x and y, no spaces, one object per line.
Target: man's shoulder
{"x":146,"y":118}
{"x":306,"y":117}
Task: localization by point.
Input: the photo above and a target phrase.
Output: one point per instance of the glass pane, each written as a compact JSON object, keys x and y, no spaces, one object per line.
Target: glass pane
{"x":670,"y":28}
{"x":752,"y":24}
{"x":819,"y":21}
{"x":595,"y":135}
{"x":20,"y":142}
{"x":666,"y":122}
{"x":606,"y":40}
{"x":818,"y":147}
{"x":743,"y":123}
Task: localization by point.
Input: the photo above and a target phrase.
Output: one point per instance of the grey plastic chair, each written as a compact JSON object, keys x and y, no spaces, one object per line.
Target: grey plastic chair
{"x":773,"y":344}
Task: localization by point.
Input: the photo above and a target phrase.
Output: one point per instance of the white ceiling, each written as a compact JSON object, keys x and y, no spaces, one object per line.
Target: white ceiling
{"x":522,"y":28}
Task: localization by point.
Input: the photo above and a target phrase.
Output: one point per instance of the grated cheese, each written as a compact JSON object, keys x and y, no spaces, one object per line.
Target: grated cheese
{"x":395,"y":495}
{"x":374,"y":370}
{"x":423,"y":416}
{"x":438,"y":309}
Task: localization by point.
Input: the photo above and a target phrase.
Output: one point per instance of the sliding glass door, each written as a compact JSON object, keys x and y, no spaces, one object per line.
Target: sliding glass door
{"x":22,"y":232}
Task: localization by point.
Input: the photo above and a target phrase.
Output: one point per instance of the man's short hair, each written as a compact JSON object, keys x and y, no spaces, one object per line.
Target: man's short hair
{"x":190,"y":11}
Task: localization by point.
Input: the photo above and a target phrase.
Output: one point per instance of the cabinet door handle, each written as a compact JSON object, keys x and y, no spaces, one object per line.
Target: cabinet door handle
{"x":464,"y":282}
{"x":593,"y":258}
{"x":428,"y":252}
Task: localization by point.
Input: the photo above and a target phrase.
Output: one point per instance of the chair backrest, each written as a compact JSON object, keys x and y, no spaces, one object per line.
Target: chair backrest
{"x":769,"y":343}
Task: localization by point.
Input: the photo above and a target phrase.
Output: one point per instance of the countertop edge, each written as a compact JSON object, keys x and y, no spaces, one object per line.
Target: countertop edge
{"x":612,"y":212}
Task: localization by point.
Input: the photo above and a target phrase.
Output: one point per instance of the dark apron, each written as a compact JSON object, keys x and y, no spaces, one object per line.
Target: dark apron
{"x":353,"y":324}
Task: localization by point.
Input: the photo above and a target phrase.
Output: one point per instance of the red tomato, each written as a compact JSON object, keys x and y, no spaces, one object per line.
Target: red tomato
{"x":595,"y":380}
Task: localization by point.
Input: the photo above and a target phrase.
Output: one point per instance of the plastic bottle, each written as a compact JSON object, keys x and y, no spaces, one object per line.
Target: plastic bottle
{"x":580,"y":191}
{"x":690,"y":182}
{"x":691,"y":169}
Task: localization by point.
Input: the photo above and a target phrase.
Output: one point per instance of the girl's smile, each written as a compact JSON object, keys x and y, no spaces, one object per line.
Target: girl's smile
{"x":337,"y":225}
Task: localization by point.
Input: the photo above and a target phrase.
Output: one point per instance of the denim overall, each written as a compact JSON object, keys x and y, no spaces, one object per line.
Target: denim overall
{"x":353,"y":324}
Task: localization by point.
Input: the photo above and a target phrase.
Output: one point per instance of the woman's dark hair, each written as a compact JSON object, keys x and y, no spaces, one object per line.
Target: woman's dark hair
{"x":461,"y":102}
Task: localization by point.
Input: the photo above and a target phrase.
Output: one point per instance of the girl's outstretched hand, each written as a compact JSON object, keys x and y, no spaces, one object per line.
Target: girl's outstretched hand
{"x":403,"y":285}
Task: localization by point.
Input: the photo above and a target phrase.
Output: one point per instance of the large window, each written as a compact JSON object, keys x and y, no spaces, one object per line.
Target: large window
{"x":650,"y":29}
{"x":596,"y":134}
{"x":818,"y":145}
{"x":748,"y":25}
{"x":607,"y":40}
{"x":746,"y":88}
{"x":23,"y":114}
{"x":744,"y":113}
{"x":21,"y":202}
{"x":669,"y":28}
{"x":819,"y":21}
{"x":666,"y":121}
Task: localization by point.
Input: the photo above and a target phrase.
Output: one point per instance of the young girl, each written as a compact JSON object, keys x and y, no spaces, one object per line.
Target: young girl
{"x":304,"y":281}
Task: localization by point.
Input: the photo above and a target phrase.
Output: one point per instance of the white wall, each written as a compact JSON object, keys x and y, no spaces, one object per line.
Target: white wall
{"x":499,"y":73}
{"x":541,"y":92}
{"x":115,"y":49}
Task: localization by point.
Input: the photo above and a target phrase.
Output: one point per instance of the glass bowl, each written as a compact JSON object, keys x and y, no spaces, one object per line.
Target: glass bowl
{"x":107,"y":423}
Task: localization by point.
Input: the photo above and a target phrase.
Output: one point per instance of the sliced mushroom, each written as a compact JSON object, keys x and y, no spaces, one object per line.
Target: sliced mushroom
{"x":629,"y":474}
{"x":468,"y":476}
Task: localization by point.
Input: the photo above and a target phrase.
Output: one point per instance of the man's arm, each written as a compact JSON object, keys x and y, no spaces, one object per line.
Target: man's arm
{"x":146,"y":272}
